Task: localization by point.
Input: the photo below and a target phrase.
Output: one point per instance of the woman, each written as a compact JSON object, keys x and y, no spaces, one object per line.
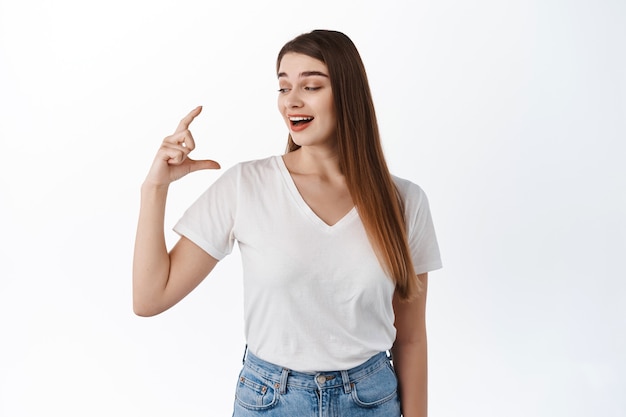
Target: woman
{"x":335,"y":250}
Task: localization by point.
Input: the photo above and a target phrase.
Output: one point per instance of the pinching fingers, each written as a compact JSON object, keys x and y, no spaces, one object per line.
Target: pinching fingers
{"x":182,"y":138}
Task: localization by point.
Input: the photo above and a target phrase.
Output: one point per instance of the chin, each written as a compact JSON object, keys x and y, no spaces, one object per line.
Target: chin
{"x":309,"y":140}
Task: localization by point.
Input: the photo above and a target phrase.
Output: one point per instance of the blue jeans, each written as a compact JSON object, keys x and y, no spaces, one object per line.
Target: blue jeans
{"x":265,"y":389}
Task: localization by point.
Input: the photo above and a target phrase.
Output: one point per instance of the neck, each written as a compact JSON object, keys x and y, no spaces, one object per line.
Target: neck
{"x":312,"y":160}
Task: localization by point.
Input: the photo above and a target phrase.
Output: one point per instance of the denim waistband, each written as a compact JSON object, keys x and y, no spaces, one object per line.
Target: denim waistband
{"x":283,"y":377}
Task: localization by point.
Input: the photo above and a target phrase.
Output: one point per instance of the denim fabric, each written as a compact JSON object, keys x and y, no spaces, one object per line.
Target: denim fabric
{"x":369,"y":390}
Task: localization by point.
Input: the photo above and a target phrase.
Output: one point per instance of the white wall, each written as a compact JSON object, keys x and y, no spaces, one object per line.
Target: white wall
{"x":510,"y":114}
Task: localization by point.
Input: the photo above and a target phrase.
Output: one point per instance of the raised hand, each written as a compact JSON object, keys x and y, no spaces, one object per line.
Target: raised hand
{"x":172,"y":161}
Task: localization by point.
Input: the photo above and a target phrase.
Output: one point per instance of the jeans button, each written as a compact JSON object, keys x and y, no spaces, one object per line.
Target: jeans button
{"x":321,"y":379}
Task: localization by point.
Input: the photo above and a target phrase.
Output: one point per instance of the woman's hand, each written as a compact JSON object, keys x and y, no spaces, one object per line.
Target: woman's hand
{"x":172,"y":161}
{"x":161,"y":280}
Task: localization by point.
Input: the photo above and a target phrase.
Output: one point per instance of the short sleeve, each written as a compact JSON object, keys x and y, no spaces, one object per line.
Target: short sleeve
{"x":209,"y":222}
{"x":421,"y":230}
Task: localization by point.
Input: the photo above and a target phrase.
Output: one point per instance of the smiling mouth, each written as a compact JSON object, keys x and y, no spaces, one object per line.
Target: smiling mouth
{"x":300,"y":121}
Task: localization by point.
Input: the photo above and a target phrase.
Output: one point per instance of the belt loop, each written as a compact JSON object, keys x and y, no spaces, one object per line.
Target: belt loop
{"x":245,"y":353}
{"x":347,"y":386}
{"x":283,"y":380}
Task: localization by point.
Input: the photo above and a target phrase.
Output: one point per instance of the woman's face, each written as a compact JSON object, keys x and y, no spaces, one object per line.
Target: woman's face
{"x":305,"y":100}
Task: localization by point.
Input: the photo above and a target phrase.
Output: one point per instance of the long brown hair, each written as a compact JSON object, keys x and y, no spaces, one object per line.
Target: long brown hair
{"x":360,"y":153}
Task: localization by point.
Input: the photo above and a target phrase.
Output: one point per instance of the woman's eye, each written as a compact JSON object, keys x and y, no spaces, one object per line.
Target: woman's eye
{"x":284,"y":90}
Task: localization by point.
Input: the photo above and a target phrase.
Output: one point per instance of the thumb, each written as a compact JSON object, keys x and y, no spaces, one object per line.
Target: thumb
{"x":203,"y":164}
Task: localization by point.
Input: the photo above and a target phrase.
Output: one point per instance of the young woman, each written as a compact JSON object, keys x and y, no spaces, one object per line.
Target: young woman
{"x":335,"y":250}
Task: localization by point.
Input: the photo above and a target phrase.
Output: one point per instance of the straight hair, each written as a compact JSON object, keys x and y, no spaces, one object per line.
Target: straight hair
{"x":360,"y":153}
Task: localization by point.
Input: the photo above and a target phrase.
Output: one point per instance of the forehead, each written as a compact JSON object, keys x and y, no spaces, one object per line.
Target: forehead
{"x":292,"y":65}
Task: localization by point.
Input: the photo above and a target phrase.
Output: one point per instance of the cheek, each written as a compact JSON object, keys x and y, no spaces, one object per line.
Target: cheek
{"x":330,"y":106}
{"x":280,"y":106}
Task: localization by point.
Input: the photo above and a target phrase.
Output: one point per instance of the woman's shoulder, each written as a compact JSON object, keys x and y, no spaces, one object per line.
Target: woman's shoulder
{"x":408,"y":189}
{"x":269,"y":162}
{"x":253,"y":166}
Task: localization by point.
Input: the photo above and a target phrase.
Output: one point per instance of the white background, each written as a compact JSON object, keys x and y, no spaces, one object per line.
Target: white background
{"x":510,"y":114}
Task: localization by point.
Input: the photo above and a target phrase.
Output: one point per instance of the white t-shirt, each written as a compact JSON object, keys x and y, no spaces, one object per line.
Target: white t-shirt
{"x":315,"y":296}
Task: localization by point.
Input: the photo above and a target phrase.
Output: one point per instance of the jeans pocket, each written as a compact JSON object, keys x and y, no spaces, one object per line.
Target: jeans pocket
{"x":255,"y":392}
{"x":376,"y":389}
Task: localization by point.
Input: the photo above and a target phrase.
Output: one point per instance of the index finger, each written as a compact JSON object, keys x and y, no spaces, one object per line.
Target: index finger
{"x":186,"y":121}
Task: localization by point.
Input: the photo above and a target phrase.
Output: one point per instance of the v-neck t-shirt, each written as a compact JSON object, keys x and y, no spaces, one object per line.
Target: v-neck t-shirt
{"x":315,"y":295}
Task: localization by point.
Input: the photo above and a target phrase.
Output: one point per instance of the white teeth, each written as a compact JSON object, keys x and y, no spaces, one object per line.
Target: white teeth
{"x":300,"y":119}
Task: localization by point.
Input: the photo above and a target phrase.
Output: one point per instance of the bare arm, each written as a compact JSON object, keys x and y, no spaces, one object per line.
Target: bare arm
{"x":410,"y":353}
{"x":161,"y":279}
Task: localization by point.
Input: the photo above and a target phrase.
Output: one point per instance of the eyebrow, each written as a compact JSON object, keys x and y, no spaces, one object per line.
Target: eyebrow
{"x":305,"y":74}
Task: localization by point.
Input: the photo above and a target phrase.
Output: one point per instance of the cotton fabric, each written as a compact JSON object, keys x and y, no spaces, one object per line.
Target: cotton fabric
{"x":315,"y":295}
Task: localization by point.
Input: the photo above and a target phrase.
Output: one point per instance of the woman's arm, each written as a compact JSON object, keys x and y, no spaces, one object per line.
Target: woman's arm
{"x":161,"y":279}
{"x":409,"y":353}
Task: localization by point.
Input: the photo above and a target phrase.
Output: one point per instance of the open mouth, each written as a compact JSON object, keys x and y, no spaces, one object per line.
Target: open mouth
{"x":300,"y":120}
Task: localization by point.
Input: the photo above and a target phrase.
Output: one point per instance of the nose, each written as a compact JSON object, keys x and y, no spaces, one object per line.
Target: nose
{"x":292,"y":100}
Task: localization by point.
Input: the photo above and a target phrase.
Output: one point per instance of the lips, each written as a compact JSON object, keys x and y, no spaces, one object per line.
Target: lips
{"x":299,"y":122}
